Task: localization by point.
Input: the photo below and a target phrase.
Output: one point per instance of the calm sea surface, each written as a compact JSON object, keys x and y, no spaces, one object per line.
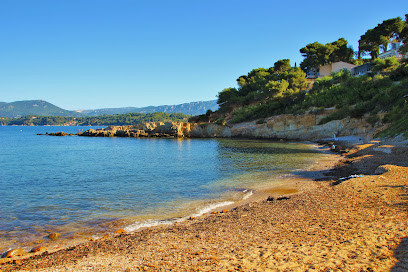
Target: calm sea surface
{"x":70,"y":182}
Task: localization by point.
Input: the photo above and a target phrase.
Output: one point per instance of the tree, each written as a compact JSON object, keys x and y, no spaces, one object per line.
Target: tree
{"x":317,"y":54}
{"x":281,"y":65}
{"x":274,"y":89}
{"x":379,"y":37}
{"x":296,"y":79}
{"x":314,"y":54}
{"x":340,"y":51}
{"x":227,"y":96}
{"x":404,"y":37}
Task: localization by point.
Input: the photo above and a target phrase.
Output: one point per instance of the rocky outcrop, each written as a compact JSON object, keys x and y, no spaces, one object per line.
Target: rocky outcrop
{"x":286,"y":126}
{"x":152,"y":129}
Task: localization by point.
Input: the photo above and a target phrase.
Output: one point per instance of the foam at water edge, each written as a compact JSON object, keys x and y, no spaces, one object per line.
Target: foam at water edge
{"x":248,"y":193}
{"x":210,"y":207}
{"x":151,"y":223}
{"x":148,"y":223}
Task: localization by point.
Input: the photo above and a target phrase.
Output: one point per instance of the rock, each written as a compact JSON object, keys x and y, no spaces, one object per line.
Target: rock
{"x":283,"y":198}
{"x":4,"y":260}
{"x":13,"y":253}
{"x":38,"y":249}
{"x":270,"y":199}
{"x":119,"y":231}
{"x":54,"y":236}
{"x":380,"y":170}
{"x":225,"y":211}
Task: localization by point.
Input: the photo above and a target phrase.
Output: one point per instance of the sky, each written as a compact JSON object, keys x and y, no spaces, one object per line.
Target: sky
{"x":88,"y":54}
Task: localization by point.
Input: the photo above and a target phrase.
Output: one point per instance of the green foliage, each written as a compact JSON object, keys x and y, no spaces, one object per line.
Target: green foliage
{"x":404,"y":37}
{"x":373,"y":119}
{"x":353,"y":97}
{"x":264,"y":86}
{"x":317,"y":54}
{"x":401,"y":71}
{"x":336,"y":115}
{"x":380,"y":36}
{"x":385,"y":66}
{"x":281,"y":66}
{"x":227,"y":97}
{"x":106,"y":120}
{"x":260,"y":121}
{"x":221,"y":122}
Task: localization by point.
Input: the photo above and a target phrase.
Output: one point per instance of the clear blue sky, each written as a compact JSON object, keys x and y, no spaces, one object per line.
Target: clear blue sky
{"x":85,"y":54}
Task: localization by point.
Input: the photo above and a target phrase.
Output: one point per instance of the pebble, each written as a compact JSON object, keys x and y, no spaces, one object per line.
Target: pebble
{"x":14,"y":253}
{"x":38,"y":249}
{"x":54,"y":235}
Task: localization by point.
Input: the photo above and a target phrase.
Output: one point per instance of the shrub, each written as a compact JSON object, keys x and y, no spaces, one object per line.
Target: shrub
{"x":221,"y":122}
{"x":260,"y":121}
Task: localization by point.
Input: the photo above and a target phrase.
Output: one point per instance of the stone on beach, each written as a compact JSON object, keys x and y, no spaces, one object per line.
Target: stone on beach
{"x":38,"y":249}
{"x":13,"y":253}
{"x":54,"y":235}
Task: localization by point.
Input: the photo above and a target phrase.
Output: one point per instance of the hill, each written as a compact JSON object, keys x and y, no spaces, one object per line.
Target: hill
{"x":42,"y":108}
{"x":32,"y":107}
{"x":193,"y":108}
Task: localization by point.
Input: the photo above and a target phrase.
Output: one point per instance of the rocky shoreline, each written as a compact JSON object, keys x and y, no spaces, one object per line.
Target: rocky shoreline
{"x":306,"y":127}
{"x":142,"y":130}
{"x":359,"y":224}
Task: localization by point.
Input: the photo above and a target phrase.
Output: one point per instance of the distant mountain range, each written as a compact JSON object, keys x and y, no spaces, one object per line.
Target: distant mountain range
{"x":33,"y":107}
{"x":43,"y":108}
{"x":193,"y":108}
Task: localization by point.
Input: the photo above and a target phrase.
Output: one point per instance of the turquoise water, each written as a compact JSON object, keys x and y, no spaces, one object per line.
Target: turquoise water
{"x":55,"y":182}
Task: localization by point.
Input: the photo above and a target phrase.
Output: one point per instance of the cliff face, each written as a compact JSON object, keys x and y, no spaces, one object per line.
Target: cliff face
{"x":291,"y":127}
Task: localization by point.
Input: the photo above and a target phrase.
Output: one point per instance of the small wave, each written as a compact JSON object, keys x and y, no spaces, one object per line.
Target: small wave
{"x":148,"y":223}
{"x":248,"y":193}
{"x":152,"y":222}
{"x":210,"y":207}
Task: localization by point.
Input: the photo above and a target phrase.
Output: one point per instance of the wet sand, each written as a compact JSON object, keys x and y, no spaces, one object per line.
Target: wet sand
{"x":360,"y":224}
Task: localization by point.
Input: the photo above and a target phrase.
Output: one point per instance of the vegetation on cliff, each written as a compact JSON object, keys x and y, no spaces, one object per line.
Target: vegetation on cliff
{"x":106,"y":120}
{"x":380,"y":96}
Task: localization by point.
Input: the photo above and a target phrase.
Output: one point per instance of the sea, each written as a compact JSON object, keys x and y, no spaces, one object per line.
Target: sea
{"x":87,"y":186}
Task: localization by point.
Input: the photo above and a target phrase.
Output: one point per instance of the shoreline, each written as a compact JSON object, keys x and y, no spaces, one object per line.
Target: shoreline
{"x":288,"y":184}
{"x":359,"y":224}
{"x":74,"y":234}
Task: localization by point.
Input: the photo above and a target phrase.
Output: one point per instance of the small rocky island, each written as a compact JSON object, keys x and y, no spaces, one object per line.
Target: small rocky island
{"x":152,"y":129}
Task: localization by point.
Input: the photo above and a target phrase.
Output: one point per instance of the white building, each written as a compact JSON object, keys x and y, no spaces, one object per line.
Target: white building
{"x":392,"y":52}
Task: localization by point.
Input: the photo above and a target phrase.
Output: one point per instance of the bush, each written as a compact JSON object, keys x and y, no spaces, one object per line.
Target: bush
{"x":373,"y":119}
{"x":260,"y":121}
{"x":336,"y":115}
{"x":221,"y":122}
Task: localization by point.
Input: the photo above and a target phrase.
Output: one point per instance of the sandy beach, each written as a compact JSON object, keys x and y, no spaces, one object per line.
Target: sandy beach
{"x":337,"y":222}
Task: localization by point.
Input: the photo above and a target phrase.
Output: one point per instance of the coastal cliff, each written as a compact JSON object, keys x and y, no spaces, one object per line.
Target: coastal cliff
{"x":286,"y":126}
{"x":290,"y":127}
